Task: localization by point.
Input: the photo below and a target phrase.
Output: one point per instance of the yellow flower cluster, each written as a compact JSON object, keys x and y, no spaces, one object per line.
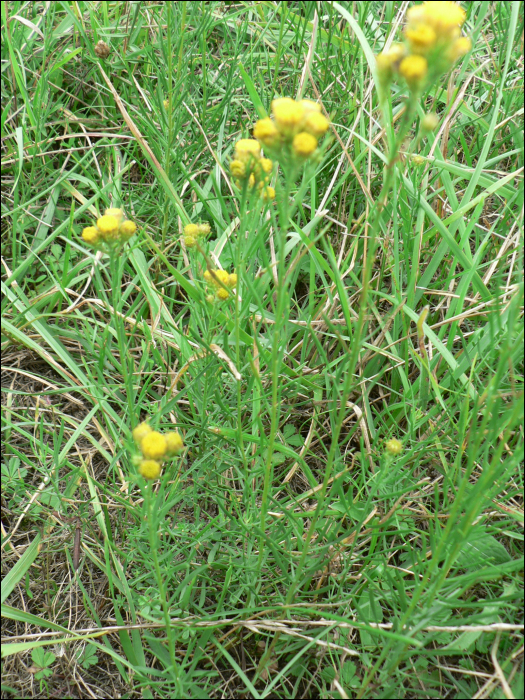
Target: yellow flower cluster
{"x":294,"y":130}
{"x":192,"y":233}
{"x":155,"y":448}
{"x":433,"y":44}
{"x":249,"y":164}
{"x":110,"y":230}
{"x":221,"y":281}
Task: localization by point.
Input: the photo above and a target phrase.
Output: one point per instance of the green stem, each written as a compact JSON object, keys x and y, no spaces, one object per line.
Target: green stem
{"x":240,"y":261}
{"x":152,"y":531}
{"x":275,"y":364}
{"x":116,"y":263}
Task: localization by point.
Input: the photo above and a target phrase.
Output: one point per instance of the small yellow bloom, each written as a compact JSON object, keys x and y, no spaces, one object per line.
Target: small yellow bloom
{"x":153,"y":445}
{"x":416,"y":14}
{"x":251,"y":180}
{"x":166,"y":104}
{"x":222,"y":294}
{"x":140,"y":432}
{"x":108,"y":226}
{"x":210,"y":299}
{"x":174,"y":443}
{"x":388,"y":61}
{"x":216,"y":277}
{"x":90,"y":235}
{"x":191,"y":230}
{"x":232,"y":280}
{"x":127,"y":229}
{"x":117,"y":213}
{"x":190,"y":242}
{"x":266,"y":165}
{"x":304,"y":144}
{"x":443,"y":17}
{"x":204,"y":228}
{"x":149,"y":468}
{"x":246,"y":149}
{"x":268,"y":194}
{"x":316,"y":124}
{"x":237,"y":169}
{"x":394,"y":54}
{"x":288,"y":115}
{"x":421,"y":39}
{"x":266,"y":132}
{"x":459,"y":48}
{"x":397,"y":52}
{"x":394,"y":447}
{"x":222,"y":276}
{"x":418,"y":160}
{"x":414,"y":70}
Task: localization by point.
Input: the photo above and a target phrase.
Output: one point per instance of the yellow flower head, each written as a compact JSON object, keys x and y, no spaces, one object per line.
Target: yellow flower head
{"x":232,"y":280}
{"x":388,"y":61}
{"x":394,"y":54}
{"x":207,"y":276}
{"x":117,"y":213}
{"x":416,"y":14}
{"x":414,"y":70}
{"x":190,"y":242}
{"x":394,"y":446}
{"x":222,"y":276}
{"x":266,"y":132}
{"x":459,"y":48}
{"x":90,"y":235}
{"x":288,"y":115}
{"x":108,"y":226}
{"x":247,"y":149}
{"x":191,"y":230}
{"x":397,"y":52}
{"x":153,"y":445}
{"x":268,"y":194}
{"x":222,"y":294}
{"x":421,"y":39}
{"x":251,"y":180}
{"x":304,"y":144}
{"x":166,"y":103}
{"x":140,"y":432}
{"x":174,"y":443}
{"x":266,"y":165}
{"x":149,"y":468}
{"x":127,"y":229}
{"x":204,"y":228}
{"x":443,"y":17}
{"x":237,"y":169}
{"x":316,"y":124}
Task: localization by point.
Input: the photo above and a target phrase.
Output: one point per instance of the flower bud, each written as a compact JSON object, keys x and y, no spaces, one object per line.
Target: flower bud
{"x":394,"y":447}
{"x":429,"y":122}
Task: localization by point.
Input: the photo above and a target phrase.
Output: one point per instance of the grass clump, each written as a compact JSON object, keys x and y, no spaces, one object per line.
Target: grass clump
{"x":276,"y":412}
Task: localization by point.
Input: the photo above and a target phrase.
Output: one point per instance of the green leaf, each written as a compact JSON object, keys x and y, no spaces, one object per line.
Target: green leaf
{"x":253,"y":92}
{"x":481,"y":549}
